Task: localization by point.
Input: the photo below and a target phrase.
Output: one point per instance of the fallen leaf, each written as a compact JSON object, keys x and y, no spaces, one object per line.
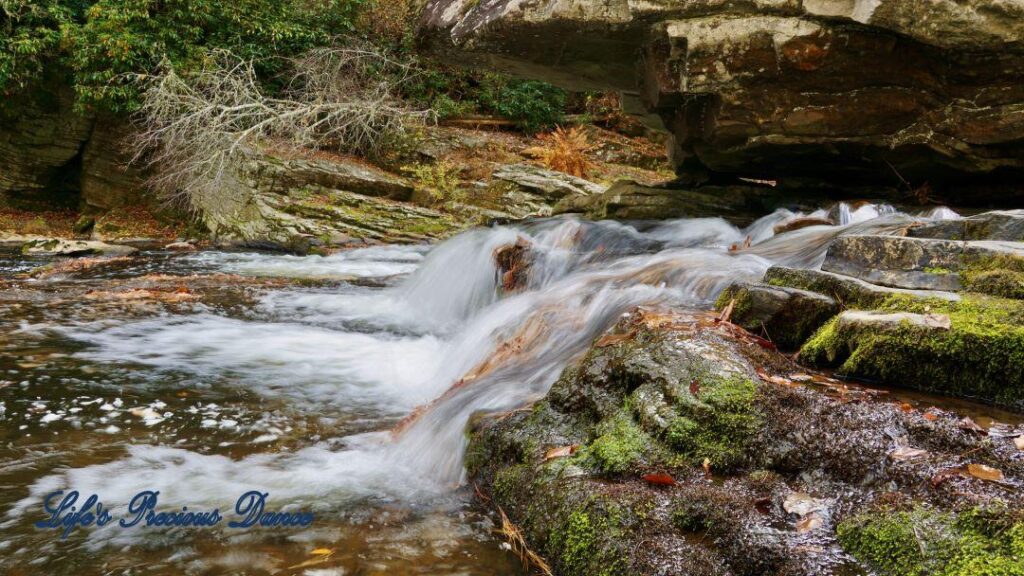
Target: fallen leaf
{"x":938,"y":321}
{"x":983,"y":472}
{"x":322,"y":551}
{"x":930,"y":416}
{"x":561,"y":452}
{"x":970,"y":425}
{"x":906,"y":453}
{"x":694,"y":387}
{"x":945,"y":475}
{"x":810,"y":522}
{"x":1019,"y":442}
{"x":660,"y":479}
{"x":906,"y":407}
{"x":610,"y":339}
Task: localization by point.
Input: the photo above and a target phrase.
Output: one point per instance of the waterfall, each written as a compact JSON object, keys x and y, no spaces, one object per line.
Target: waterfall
{"x":448,"y":337}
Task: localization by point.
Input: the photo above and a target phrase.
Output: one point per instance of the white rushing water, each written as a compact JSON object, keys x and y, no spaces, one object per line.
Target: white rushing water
{"x":406,"y":345}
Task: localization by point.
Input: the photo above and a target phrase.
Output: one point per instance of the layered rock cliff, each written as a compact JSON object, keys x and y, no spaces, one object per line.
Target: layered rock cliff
{"x":924,"y":97}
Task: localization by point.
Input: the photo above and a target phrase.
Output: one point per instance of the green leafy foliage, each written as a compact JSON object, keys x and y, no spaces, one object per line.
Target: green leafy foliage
{"x":105,"y":44}
{"x":533,"y":105}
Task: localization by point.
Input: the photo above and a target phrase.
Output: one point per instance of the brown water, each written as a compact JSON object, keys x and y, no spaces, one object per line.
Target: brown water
{"x":65,"y":410}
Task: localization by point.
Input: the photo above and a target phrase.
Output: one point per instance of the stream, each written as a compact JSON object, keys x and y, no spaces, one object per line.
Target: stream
{"x":338,"y":385}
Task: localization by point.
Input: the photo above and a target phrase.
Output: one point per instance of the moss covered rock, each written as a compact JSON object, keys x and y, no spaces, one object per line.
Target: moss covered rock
{"x":979,"y":354}
{"x":674,"y":446}
{"x":786,"y":316}
{"x":923,"y":541}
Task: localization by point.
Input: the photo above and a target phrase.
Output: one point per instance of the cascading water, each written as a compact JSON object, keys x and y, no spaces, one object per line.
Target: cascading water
{"x":446,"y":336}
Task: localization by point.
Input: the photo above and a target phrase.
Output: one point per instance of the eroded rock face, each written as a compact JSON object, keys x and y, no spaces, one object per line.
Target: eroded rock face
{"x":867,"y":91}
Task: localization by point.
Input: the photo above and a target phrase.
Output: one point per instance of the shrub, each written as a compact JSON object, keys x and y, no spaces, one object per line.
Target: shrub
{"x":106,"y":44}
{"x":532,"y":104}
{"x":566,"y":151}
{"x":440,"y":181}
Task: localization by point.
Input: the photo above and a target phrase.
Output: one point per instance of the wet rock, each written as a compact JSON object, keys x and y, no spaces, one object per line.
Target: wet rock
{"x":84,"y":226}
{"x":671,"y":395}
{"x":513,"y":262}
{"x":781,"y":90}
{"x":740,"y":203}
{"x":848,"y":291}
{"x":913,"y":263}
{"x":786,"y":316}
{"x":803,"y":222}
{"x":998,"y":225}
{"x":63,"y":247}
{"x":180,"y":247}
{"x":550,"y":185}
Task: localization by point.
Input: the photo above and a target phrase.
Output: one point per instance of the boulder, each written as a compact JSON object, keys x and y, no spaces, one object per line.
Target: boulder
{"x":915,"y":263}
{"x":786,"y":316}
{"x":40,"y":148}
{"x":63,"y":247}
{"x":874,"y":92}
{"x":276,"y":175}
{"x":550,"y":185}
{"x":996,"y":225}
{"x":973,"y":348}
{"x":674,"y":446}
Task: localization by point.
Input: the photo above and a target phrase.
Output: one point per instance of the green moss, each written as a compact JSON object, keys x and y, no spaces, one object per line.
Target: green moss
{"x":717,"y":422}
{"x":999,"y":276}
{"x":937,"y":270}
{"x":926,"y":542}
{"x":981,"y":355}
{"x":585,"y":544}
{"x":619,"y":446}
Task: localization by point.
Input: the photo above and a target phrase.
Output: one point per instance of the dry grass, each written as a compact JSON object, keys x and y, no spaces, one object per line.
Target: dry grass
{"x":566,"y":151}
{"x":514,"y":535}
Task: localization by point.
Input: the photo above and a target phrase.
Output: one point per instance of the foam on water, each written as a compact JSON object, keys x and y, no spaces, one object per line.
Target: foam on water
{"x":377,"y":261}
{"x":447,"y":332}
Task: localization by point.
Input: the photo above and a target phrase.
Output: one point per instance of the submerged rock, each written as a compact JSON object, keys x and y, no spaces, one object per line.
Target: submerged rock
{"x":786,"y":316}
{"x":690,"y":451}
{"x":63,"y":247}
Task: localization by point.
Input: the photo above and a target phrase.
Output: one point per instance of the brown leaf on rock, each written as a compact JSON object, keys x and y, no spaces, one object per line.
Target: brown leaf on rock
{"x":930,"y":415}
{"x":906,"y":453}
{"x":947,"y":474}
{"x":971,"y":426}
{"x":610,"y":339}
{"x":810,"y":522}
{"x":561,"y":452}
{"x":984,"y":472}
{"x":659,"y":479}
{"x":694,"y":387}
